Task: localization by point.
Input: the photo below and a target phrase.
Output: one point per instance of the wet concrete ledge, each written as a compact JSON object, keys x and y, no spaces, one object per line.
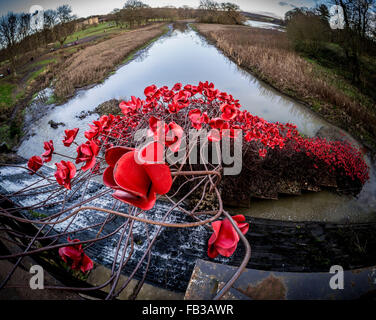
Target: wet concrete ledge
{"x":208,"y":278}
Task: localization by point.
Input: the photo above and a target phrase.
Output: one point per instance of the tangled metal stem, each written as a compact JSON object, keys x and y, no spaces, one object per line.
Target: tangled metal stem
{"x":188,"y":182}
{"x":191,"y":183}
{"x":210,"y":177}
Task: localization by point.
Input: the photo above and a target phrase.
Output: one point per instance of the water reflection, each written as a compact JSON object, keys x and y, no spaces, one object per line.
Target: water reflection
{"x":323,"y":206}
{"x":264,"y":25}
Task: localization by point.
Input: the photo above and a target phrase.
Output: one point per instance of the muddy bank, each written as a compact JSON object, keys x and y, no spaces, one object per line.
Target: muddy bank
{"x":105,"y":108}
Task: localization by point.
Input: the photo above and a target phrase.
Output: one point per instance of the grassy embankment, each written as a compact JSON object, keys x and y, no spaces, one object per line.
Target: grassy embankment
{"x":96,"y":62}
{"x":269,"y":55}
{"x":68,"y":68}
{"x":99,"y":30}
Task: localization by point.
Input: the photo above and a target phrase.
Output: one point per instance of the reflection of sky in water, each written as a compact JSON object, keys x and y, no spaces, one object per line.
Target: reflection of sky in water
{"x":180,"y":57}
{"x":321,"y":206}
{"x":264,"y":25}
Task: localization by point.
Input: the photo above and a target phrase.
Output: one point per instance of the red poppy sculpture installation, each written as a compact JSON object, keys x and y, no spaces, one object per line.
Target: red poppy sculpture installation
{"x":131,"y":154}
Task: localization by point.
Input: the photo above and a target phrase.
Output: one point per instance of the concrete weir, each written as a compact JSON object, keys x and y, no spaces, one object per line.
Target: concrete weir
{"x":208,"y":278}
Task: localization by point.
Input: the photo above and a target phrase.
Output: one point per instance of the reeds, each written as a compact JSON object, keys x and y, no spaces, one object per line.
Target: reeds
{"x":92,"y":64}
{"x":268,"y":54}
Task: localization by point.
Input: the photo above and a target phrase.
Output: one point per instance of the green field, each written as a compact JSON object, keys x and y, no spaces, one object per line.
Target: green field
{"x":6,"y":93}
{"x":42,"y":63}
{"x":92,"y":31}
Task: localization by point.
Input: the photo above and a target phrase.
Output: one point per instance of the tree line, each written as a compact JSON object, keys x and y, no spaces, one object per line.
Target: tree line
{"x":311,"y":32}
{"x":20,"y":32}
{"x":135,"y":13}
{"x":210,"y":11}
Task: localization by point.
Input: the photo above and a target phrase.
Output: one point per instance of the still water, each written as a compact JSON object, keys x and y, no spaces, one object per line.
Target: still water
{"x":186,"y":57}
{"x":264,"y":25}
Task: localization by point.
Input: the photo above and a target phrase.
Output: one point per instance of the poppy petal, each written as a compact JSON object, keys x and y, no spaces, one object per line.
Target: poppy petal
{"x":152,"y":153}
{"x":227,"y":252}
{"x":160,"y":177}
{"x":86,"y":263}
{"x":115,"y":153}
{"x":216,"y":227}
{"x":89,"y":164}
{"x":212,"y":252}
{"x":144,"y":203}
{"x":108,"y":178}
{"x":130,"y":176}
{"x":243,"y":226}
{"x":227,"y":237}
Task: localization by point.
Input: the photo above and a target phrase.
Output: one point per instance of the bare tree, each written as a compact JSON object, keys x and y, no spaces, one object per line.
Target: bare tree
{"x":24,"y":31}
{"x":66,"y":25}
{"x":9,"y":36}
{"x":63,"y":30}
{"x":214,"y":12}
{"x":50,"y":20}
{"x":232,"y":13}
{"x":133,"y":12}
{"x":209,"y":5}
{"x":355,"y":37}
{"x":24,"y":25}
{"x":323,"y":11}
{"x":116,"y":14}
{"x":64,"y":13}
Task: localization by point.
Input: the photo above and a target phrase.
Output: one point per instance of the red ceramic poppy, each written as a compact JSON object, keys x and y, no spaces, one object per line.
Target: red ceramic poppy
{"x":75,"y":257}
{"x":158,"y":129}
{"x":134,"y":183}
{"x":196,"y":118}
{"x":182,"y":98}
{"x":262,"y":153}
{"x":174,"y":107}
{"x":174,"y":136}
{"x":70,"y":135}
{"x":95,"y":130}
{"x":217,"y":123}
{"x":177,"y":86}
{"x":169,"y":135}
{"x":229,"y":111}
{"x":149,"y":91}
{"x":65,"y":172}
{"x":224,"y":239}
{"x":132,"y":106}
{"x":49,"y":147}
{"x":34,"y":164}
{"x":87,"y":152}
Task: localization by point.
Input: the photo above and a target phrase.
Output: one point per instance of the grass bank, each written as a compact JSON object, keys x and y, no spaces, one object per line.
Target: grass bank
{"x":269,"y":55}
{"x":96,"y":62}
{"x":105,"y":28}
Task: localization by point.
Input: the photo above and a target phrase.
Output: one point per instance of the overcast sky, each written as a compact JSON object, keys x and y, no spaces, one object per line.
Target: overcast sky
{"x":84,"y":8}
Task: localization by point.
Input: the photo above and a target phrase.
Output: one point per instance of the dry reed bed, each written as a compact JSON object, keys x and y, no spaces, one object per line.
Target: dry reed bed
{"x":92,"y":64}
{"x":268,"y":54}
